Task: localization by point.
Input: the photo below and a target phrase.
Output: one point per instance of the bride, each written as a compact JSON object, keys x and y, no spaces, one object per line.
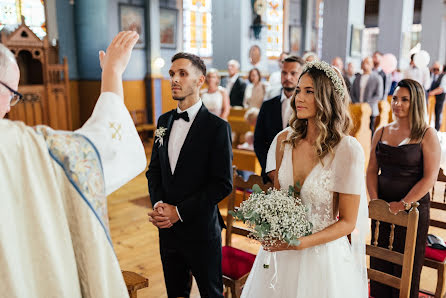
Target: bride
{"x":317,"y":151}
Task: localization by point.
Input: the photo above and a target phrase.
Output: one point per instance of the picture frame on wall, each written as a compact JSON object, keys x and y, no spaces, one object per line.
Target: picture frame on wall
{"x":132,"y":18}
{"x":168,"y":28}
{"x":356,"y":41}
{"x":295,"y":39}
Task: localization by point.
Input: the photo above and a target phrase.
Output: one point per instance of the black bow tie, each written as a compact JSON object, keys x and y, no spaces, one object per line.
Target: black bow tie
{"x":182,"y":115}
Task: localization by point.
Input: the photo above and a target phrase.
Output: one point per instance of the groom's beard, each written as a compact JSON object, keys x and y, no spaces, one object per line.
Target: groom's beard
{"x":289,"y":89}
{"x":179,"y":98}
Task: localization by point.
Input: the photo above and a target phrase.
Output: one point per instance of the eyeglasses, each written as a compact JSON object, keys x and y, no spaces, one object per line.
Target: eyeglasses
{"x":435,"y":69}
{"x":15,"y":96}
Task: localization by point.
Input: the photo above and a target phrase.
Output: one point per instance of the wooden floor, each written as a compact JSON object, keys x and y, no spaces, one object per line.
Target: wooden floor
{"x":135,"y":239}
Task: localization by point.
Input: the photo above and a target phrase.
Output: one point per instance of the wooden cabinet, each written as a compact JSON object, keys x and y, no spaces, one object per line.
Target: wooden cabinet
{"x":43,"y":82}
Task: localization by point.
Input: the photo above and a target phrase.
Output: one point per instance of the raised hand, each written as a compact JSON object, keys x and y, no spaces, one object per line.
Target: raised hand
{"x":115,"y":60}
{"x":117,"y":56}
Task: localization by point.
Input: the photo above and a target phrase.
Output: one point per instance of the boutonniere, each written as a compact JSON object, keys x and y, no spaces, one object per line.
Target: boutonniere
{"x":159,"y":135}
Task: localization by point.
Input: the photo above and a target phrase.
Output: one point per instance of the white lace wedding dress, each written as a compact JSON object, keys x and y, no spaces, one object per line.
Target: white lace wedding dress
{"x":330,"y":270}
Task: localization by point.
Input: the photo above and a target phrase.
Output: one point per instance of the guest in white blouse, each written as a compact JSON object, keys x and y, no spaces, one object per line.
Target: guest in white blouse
{"x":256,"y":91}
{"x":215,"y":98}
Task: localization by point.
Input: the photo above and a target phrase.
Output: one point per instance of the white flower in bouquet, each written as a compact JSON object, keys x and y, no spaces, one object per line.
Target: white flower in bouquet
{"x":275,"y":215}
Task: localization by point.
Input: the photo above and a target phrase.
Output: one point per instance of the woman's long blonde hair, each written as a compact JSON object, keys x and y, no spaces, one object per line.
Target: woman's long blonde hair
{"x":332,"y":114}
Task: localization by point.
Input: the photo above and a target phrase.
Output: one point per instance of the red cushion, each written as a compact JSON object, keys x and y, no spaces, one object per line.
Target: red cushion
{"x":236,"y":262}
{"x":435,"y":254}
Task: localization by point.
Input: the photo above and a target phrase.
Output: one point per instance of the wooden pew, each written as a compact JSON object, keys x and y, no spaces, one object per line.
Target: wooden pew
{"x":360,"y":113}
{"x":239,"y":125}
{"x":384,"y":112}
{"x":246,"y":160}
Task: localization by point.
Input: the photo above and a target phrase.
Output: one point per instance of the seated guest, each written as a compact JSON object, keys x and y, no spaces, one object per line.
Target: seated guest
{"x":256,"y":91}
{"x":54,"y":186}
{"x":403,"y":167}
{"x":438,"y":89}
{"x":215,"y":98}
{"x":251,"y":116}
{"x":249,"y":142}
{"x":235,"y":86}
{"x":275,"y":113}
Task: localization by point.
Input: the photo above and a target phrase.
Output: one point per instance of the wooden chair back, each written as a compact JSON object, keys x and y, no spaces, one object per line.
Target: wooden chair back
{"x":243,"y":188}
{"x":439,"y":205}
{"x":379,"y":211}
{"x":438,"y":208}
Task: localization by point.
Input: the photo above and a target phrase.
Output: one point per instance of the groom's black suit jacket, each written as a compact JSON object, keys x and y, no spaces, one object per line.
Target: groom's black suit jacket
{"x":202,"y":177}
{"x":269,"y":124}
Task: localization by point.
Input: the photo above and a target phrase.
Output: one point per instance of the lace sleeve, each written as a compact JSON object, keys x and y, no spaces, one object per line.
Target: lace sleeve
{"x":348,"y":167}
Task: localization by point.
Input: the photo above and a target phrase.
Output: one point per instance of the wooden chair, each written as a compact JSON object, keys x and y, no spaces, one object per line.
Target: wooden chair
{"x":140,"y":119}
{"x":433,"y":258}
{"x":379,"y":211}
{"x":134,"y":282}
{"x":236,"y":263}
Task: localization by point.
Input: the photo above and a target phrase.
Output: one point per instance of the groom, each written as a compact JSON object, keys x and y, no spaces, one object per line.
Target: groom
{"x":189,"y":173}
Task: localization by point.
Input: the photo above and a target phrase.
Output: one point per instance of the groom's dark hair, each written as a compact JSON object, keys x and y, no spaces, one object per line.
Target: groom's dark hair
{"x":196,"y":61}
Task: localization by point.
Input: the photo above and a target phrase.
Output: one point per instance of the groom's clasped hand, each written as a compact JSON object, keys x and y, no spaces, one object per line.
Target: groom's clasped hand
{"x":163,"y":216}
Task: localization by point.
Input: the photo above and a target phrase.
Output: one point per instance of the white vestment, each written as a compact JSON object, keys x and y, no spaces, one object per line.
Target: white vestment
{"x":54,"y":236}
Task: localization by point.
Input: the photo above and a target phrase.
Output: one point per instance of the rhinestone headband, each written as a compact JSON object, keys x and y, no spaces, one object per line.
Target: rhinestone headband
{"x":330,"y":72}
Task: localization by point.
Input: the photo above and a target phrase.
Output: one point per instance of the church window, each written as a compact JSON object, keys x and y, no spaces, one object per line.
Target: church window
{"x":32,"y":10}
{"x":274,"y":23}
{"x":197,"y":24}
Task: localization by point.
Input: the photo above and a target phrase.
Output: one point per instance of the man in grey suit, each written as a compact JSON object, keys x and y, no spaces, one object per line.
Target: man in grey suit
{"x":368,"y":87}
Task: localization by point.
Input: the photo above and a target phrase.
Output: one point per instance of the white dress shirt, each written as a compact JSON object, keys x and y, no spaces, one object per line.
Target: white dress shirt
{"x":442,"y":83}
{"x":231,"y":82}
{"x":178,"y":133}
{"x":286,"y":116}
{"x":287,"y":111}
{"x":421,"y":75}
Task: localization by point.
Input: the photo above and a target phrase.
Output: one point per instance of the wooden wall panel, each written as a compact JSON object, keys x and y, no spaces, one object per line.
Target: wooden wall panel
{"x":168,"y":103}
{"x":135,"y":95}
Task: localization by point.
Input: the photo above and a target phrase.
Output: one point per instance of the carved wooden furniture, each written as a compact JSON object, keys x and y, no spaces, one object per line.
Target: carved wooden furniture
{"x":43,"y":81}
{"x":379,"y":211}
{"x":236,"y":263}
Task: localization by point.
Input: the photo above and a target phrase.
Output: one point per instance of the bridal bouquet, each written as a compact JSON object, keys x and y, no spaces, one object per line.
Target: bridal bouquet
{"x":275,"y":215}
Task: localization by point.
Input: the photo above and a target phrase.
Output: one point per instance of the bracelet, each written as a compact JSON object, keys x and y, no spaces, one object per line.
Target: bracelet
{"x":406,"y":205}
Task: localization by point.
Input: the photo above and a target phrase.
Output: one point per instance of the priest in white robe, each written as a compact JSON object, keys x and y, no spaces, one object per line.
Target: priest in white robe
{"x":54,"y":235}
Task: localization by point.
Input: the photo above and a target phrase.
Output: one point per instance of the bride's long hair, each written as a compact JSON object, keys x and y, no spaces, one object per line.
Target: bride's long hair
{"x":332,"y":114}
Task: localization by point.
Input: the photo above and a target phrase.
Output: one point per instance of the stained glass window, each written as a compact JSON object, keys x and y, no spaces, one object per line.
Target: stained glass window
{"x":33,"y":11}
{"x":197,"y":24}
{"x":274,"y":23}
